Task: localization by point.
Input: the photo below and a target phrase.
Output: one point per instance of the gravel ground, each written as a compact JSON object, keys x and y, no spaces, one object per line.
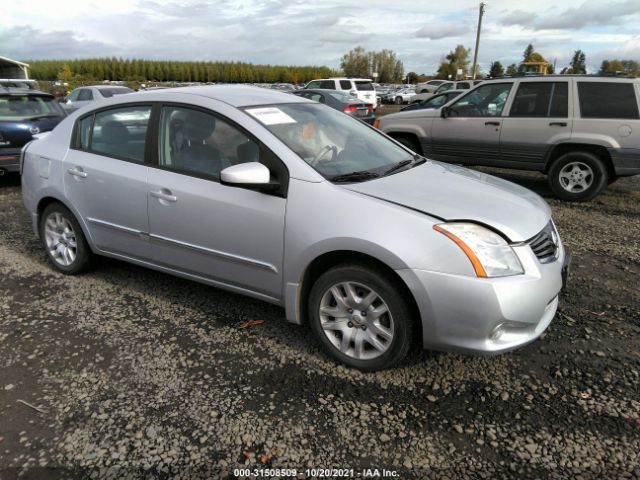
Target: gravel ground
{"x":142,"y":375}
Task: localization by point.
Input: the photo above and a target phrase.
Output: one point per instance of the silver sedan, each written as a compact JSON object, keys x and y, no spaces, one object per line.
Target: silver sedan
{"x":294,"y":203}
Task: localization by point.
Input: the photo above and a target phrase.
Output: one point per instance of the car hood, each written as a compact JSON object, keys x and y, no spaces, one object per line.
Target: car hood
{"x":452,"y":193}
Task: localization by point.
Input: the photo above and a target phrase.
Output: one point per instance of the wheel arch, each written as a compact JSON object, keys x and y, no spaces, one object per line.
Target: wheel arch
{"x":330,"y":259}
{"x":563,"y":148}
{"x":47,"y":200}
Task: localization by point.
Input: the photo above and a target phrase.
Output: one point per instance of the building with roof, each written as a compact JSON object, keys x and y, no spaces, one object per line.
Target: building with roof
{"x":13,"y":69}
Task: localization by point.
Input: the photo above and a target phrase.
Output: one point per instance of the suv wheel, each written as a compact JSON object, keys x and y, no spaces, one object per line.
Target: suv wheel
{"x":360,"y":317}
{"x":63,"y":240}
{"x":577,"y":176}
{"x":398,"y":100}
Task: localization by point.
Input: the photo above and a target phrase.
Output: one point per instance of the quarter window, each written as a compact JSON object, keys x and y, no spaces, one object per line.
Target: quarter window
{"x":120,"y":132}
{"x":84,"y":129}
{"x":345,"y":84}
{"x":541,"y":99}
{"x":607,"y":100}
{"x":485,"y":101}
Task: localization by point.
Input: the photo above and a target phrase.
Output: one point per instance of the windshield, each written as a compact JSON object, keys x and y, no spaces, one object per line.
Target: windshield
{"x":330,"y":141}
{"x":24,"y":107}
{"x":110,"y":92}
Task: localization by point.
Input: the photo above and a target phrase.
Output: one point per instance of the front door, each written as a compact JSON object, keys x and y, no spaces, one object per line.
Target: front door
{"x":470,"y":133}
{"x":105,"y":178}
{"x":228,"y":235}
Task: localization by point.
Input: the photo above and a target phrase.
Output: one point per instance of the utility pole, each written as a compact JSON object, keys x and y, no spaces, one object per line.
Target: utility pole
{"x":475,"y":52}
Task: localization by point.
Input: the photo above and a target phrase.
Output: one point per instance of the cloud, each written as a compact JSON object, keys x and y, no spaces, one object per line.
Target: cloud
{"x":442,"y":30}
{"x":588,"y":14}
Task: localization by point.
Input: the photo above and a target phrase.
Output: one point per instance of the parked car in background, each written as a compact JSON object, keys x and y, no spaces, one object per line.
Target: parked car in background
{"x":285,"y":87}
{"x":579,"y":130}
{"x":84,"y":95}
{"x":429,"y":87}
{"x":361,"y":88}
{"x":401,"y":96}
{"x":277,"y":197}
{"x":436,"y":101}
{"x":24,"y":113}
{"x":444,"y":87}
{"x":340,"y":101}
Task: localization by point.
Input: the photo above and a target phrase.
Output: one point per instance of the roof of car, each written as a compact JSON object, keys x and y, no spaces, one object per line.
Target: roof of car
{"x":22,"y":91}
{"x":236,"y":95}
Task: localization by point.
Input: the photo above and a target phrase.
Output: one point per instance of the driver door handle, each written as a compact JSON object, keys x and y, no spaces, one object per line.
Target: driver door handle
{"x":497,"y":124}
{"x":77,"y":173}
{"x":164,"y":194}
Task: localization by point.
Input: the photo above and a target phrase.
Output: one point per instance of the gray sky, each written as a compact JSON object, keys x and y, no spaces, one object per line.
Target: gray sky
{"x":299,"y":32}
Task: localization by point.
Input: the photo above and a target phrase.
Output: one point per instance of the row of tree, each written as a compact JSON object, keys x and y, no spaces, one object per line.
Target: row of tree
{"x":359,"y":63}
{"x":173,"y":71}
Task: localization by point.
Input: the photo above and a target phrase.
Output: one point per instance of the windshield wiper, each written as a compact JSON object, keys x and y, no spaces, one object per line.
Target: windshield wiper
{"x":413,"y":162}
{"x":354,"y":176}
{"x":38,"y":117}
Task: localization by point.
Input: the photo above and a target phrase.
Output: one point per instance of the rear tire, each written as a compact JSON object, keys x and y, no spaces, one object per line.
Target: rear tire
{"x":64,"y":240}
{"x":399,"y":101}
{"x":360,"y":317}
{"x":577,"y":176}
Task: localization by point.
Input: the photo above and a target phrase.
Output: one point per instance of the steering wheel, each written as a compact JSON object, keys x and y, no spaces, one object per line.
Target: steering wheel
{"x":323,"y":151}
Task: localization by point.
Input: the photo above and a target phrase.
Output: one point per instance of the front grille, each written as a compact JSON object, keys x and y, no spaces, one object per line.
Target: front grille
{"x":545,"y":244}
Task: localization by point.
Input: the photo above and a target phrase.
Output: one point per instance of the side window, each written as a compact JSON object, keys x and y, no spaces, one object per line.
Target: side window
{"x":345,"y":84}
{"x":85,"y":95}
{"x":464,"y":85}
{"x":607,"y":100}
{"x":541,"y":99}
{"x":74,"y":95}
{"x":328,"y":84}
{"x":315,"y":84}
{"x":196,"y":142}
{"x":316,"y":97}
{"x":84,"y":132}
{"x":121,"y":132}
{"x":485,"y":101}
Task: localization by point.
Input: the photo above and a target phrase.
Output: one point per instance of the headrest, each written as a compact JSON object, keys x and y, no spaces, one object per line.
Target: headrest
{"x":199,"y":126}
{"x":114,"y":132}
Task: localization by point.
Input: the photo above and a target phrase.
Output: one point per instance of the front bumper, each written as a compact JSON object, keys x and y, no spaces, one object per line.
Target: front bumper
{"x":487,"y":315}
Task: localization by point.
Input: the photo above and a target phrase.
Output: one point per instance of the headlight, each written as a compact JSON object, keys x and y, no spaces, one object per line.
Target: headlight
{"x":489,"y":253}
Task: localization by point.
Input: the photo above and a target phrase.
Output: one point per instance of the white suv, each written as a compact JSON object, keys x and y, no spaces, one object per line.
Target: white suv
{"x":361,"y":88}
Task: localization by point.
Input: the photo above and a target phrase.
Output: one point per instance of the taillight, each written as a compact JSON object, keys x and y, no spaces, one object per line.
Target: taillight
{"x":370,"y":108}
{"x":376,"y":123}
{"x":349,"y":109}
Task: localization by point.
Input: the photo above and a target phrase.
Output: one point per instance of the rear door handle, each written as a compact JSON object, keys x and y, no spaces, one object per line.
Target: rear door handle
{"x":558,"y":124}
{"x":164,"y":194}
{"x":77,"y":173}
{"x":497,"y":124}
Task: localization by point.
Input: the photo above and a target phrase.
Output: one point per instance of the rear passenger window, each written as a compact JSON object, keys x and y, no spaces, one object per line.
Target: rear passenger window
{"x":464,"y":85}
{"x":345,"y":84}
{"x":607,"y":100}
{"x":120,"y":132}
{"x":328,"y":84}
{"x":85,"y":95}
{"x":541,"y":99}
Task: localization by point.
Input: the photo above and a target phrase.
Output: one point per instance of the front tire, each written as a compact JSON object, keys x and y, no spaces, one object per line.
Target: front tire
{"x":360,"y":317}
{"x":577,"y":176}
{"x":63,"y":240}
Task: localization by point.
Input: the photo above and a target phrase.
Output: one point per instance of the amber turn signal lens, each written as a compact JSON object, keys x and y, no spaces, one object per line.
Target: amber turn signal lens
{"x":477,"y":266}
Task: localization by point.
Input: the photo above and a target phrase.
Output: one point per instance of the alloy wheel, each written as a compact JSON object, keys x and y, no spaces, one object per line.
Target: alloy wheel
{"x":356,"y":320}
{"x":576,"y":177}
{"x":60,"y":239}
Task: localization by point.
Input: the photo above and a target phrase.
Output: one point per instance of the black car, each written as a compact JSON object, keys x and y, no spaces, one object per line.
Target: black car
{"x":340,"y":101}
{"x":24,"y":113}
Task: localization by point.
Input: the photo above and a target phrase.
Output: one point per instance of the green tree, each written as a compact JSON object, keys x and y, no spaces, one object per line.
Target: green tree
{"x":526,"y":56}
{"x":512,"y":70}
{"x":496,"y":70}
{"x":360,"y":63}
{"x":579,"y":62}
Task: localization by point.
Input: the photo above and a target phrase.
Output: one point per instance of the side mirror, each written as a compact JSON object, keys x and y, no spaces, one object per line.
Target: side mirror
{"x":444,"y":112}
{"x":250,"y":175}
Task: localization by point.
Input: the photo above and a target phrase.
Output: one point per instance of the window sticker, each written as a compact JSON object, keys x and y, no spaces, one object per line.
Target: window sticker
{"x":270,"y":116}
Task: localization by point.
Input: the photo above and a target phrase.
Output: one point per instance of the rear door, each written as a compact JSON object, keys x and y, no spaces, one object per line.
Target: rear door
{"x":470,"y":133}
{"x":105,"y":178}
{"x":538,"y":119}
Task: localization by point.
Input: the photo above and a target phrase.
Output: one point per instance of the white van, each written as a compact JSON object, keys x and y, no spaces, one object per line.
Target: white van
{"x":361,"y":88}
